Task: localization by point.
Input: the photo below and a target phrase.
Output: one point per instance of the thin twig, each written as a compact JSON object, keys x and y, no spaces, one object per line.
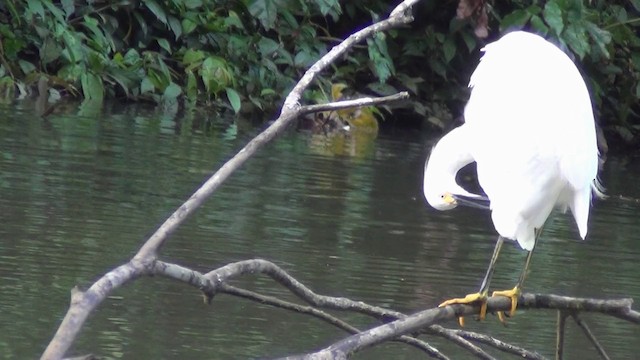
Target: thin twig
{"x":460,"y":341}
{"x":495,"y":343}
{"x":269,"y":300}
{"x":583,"y":325}
{"x":360,"y":102}
{"x":562,"y":322}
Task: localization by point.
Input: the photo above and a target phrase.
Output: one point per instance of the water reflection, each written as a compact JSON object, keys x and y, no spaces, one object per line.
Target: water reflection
{"x":78,"y":195}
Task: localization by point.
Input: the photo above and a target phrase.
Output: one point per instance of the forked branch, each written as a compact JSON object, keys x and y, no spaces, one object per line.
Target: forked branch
{"x":395,"y":326}
{"x":84,"y":302}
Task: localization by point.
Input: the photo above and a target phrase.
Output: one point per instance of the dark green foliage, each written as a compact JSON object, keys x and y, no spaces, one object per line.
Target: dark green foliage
{"x":229,"y":54}
{"x":245,"y":55}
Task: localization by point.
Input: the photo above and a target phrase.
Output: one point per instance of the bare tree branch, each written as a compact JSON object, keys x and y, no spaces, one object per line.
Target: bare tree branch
{"x":464,"y":343}
{"x":562,"y":321}
{"x":360,"y":102}
{"x":83,"y":302}
{"x":497,"y":344}
{"x":396,"y":326}
{"x":215,"y":282}
{"x":583,"y":325}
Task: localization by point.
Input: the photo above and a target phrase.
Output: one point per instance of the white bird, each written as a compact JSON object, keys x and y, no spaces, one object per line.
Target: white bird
{"x":529,"y":126}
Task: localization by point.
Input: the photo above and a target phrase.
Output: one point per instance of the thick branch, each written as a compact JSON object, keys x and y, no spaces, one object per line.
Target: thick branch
{"x":620,"y":308}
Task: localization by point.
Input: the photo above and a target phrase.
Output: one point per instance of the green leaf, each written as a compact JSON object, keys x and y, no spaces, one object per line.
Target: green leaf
{"x":157,"y":10}
{"x":266,"y":11}
{"x":233,"y":20}
{"x":126,"y":79}
{"x":171,"y":92}
{"x":192,"y":87}
{"x":192,"y":4}
{"x":515,"y":20}
{"x":159,"y":79}
{"x":214,"y":74}
{"x":256,"y":101}
{"x":577,"y":40}
{"x":601,"y":37}
{"x":68,"y":7}
{"x":55,"y":11}
{"x":192,"y":57}
{"x":142,"y":23}
{"x":71,"y":72}
{"x":539,"y":25}
{"x":51,"y":51}
{"x":146,"y":85}
{"x":379,"y":56}
{"x":35,"y":7}
{"x":92,"y":86}
{"x":74,"y":49}
{"x":234,"y":99}
{"x":132,"y":57}
{"x":175,"y":26}
{"x":267,"y":46}
{"x":267,"y":92}
{"x":164,"y":44}
{"x":188,"y":26}
{"x":448,"y":49}
{"x":534,"y":9}
{"x":553,"y":16}
{"x":304,"y":58}
{"x":438,"y":67}
{"x":469,"y":40}
{"x":26,"y":67}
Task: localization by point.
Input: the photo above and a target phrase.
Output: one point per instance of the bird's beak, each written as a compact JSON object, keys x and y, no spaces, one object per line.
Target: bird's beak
{"x":477,"y":201}
{"x":449,"y":199}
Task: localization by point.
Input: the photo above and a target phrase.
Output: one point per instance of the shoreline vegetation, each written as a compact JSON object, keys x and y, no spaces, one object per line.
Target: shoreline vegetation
{"x":245,"y":56}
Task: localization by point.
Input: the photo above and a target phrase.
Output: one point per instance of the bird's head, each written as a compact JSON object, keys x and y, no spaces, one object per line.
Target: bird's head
{"x":449,"y":155}
{"x":447,"y":200}
{"x":440,"y":200}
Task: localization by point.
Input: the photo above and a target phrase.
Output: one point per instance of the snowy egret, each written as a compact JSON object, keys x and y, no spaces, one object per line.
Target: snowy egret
{"x":529,"y":126}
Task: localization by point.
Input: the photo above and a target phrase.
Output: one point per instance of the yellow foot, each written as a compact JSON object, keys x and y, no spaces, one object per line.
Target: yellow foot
{"x":471,"y":298}
{"x":512,"y":294}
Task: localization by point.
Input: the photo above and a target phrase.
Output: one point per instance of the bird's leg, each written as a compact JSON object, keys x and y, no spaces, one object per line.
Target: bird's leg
{"x":481,"y":295}
{"x":514,"y":293}
{"x":486,"y":282}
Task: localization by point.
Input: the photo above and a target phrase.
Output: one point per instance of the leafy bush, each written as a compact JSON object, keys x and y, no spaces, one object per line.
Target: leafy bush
{"x":245,"y":55}
{"x":159,"y":50}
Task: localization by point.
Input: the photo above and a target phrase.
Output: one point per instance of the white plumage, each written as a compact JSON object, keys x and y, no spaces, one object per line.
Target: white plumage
{"x":529,"y":126}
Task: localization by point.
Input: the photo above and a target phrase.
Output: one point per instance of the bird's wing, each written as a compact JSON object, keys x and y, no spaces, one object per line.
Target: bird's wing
{"x":532,"y":117}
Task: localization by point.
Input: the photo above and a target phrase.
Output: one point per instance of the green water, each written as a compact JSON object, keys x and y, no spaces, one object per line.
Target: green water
{"x":80,"y":192}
